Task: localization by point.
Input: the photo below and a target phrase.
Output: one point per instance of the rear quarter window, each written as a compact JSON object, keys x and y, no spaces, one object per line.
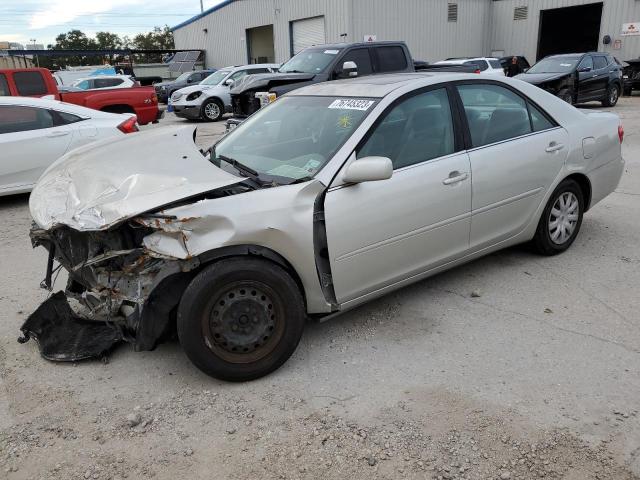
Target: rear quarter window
{"x":391,"y":59}
{"x":30,"y":83}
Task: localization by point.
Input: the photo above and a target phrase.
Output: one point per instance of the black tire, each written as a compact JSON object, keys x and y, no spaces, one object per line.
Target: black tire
{"x":566,"y":95}
{"x":612,"y":96}
{"x":241,"y":318}
{"x":210,"y":114}
{"x":542,"y":242}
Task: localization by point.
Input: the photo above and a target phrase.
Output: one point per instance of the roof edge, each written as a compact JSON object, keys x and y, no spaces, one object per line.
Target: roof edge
{"x":222,"y":4}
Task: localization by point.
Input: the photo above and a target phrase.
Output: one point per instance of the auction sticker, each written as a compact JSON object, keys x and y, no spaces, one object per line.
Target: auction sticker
{"x":352,"y":104}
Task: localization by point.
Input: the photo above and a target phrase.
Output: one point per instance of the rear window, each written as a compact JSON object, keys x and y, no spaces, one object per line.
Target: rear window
{"x":30,"y":83}
{"x":4,"y":87}
{"x":391,"y":59}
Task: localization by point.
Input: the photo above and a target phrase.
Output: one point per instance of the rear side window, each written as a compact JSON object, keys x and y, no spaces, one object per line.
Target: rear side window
{"x":494,"y":113}
{"x":107,"y":82}
{"x":479,"y":64}
{"x":391,"y":59}
{"x":30,"y":83}
{"x":599,"y":62}
{"x":361,"y":58}
{"x":495,"y":63}
{"x":4,"y":87}
{"x":18,"y":118}
{"x":64,"y":118}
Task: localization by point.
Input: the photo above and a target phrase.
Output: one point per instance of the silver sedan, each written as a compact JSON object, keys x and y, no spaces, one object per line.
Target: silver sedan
{"x":335,"y":194}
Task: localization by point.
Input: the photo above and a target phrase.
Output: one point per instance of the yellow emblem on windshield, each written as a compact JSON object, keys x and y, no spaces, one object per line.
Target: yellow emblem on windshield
{"x":344,"y":121}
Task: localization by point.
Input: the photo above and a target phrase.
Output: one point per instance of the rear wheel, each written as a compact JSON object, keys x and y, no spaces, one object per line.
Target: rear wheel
{"x":613,"y":93}
{"x":212,"y":110}
{"x":241,"y":318}
{"x":561,"y":219}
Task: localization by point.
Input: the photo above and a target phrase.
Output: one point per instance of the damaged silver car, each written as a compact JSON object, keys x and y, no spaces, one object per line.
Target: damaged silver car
{"x":335,"y":194}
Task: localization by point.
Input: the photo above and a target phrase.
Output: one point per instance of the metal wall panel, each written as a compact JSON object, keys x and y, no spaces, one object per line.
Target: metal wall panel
{"x":520,"y":37}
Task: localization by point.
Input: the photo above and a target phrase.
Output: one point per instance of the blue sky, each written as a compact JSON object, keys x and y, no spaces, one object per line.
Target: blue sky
{"x":23,"y":20}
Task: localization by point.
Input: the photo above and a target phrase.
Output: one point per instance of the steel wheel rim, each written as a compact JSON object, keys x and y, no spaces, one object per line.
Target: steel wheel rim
{"x":563,"y":218}
{"x":244,"y":322}
{"x":211,"y":110}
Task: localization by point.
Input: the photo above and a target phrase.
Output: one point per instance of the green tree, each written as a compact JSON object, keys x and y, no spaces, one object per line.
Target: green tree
{"x":158,"y":39}
{"x":108,"y":41}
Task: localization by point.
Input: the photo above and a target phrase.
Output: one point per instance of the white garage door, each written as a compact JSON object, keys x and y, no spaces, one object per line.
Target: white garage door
{"x":307,"y":32}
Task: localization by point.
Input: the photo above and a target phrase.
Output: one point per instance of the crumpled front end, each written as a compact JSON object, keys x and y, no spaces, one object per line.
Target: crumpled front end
{"x":115,"y":284}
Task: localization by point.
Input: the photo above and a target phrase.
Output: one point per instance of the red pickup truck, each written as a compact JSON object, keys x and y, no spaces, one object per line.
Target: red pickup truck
{"x":38,"y":82}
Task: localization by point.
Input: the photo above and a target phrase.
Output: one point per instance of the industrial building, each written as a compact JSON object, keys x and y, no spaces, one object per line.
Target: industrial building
{"x":255,"y":31}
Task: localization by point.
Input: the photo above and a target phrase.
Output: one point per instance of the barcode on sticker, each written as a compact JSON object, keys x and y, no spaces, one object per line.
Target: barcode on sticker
{"x":351,"y":104}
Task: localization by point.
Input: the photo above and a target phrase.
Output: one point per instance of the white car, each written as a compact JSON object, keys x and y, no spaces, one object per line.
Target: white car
{"x":34,"y":133}
{"x":484,"y":65}
{"x":100,"y":82}
{"x":331,"y":196}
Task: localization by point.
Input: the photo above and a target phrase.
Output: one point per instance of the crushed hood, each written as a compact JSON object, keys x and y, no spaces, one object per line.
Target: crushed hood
{"x":538,"y":78}
{"x":268,"y":80}
{"x":103,"y":183}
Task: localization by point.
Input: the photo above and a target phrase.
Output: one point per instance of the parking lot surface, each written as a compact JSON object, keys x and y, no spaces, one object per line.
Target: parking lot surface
{"x":513,"y":366}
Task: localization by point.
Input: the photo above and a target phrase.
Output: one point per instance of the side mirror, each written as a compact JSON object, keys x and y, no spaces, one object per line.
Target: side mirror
{"x":584,"y":69}
{"x":349,"y":69}
{"x":228,"y":82}
{"x":189,"y":80}
{"x":368,"y":169}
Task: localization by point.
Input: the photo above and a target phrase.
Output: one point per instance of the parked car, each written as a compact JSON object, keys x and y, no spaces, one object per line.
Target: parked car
{"x":336,"y":194}
{"x":630,"y":75}
{"x":209,"y":99}
{"x":579,"y":77}
{"x":104,"y":81}
{"x":483,"y":65}
{"x":510,"y":69}
{"x":38,"y":82}
{"x":164,"y":90}
{"x":35,"y":132}
{"x":320,"y":63}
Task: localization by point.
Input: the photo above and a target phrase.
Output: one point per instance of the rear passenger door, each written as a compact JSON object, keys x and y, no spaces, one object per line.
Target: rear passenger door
{"x":516,"y":152}
{"x":587,"y":84}
{"x":380,"y":233}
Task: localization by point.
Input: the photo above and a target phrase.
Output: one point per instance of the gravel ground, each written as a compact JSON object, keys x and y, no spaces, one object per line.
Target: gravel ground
{"x":513,"y":366}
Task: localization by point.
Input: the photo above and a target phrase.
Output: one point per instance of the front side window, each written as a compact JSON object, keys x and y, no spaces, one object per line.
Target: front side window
{"x":30,"y":83}
{"x":419,"y":128}
{"x":18,"y":118}
{"x":495,"y":63}
{"x":391,"y":59}
{"x":493,"y":113}
{"x":83,"y":85}
{"x":238,"y":75}
{"x":293,"y":138}
{"x":310,"y":61}
{"x":599,"y":62}
{"x":361,"y":58}
{"x":255,"y":71}
{"x":4,"y":87}
{"x":215,"y":78}
{"x":586,"y":63}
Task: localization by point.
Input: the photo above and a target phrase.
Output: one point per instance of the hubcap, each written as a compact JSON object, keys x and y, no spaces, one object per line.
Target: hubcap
{"x":243,"y":323}
{"x":212,"y":110}
{"x":563,"y":218}
{"x":614,"y":95}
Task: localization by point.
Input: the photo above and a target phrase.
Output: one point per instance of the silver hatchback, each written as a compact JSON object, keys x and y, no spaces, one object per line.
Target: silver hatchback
{"x":333,"y":195}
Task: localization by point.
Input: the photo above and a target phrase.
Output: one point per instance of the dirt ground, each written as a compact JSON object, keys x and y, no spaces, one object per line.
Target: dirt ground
{"x":535,"y":375}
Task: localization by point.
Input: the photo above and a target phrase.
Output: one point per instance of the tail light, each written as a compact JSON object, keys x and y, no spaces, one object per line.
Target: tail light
{"x":130,"y":125}
{"x":477,"y":70}
{"x":621,"y":132}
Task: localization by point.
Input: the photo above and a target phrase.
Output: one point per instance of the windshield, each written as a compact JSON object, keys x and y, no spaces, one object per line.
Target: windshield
{"x":215,"y":78}
{"x":555,"y":65}
{"x":293,"y":138}
{"x":309,"y":61}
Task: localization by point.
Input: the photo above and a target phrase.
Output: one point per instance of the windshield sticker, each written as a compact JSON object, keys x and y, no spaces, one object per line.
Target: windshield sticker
{"x":311,"y":166}
{"x":345,"y":120}
{"x":565,"y":64}
{"x":331,"y":52}
{"x":352,"y":104}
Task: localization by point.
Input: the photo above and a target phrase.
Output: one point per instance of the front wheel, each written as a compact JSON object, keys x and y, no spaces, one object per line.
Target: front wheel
{"x":561,"y":219}
{"x":212,"y":110}
{"x":613,"y":93}
{"x":241,"y":318}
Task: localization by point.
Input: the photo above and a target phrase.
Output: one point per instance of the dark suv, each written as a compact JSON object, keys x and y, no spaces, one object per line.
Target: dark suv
{"x":165,"y":89}
{"x":578,"y":77}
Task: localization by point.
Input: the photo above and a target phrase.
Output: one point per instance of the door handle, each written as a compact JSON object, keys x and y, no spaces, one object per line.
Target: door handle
{"x":58,"y":133}
{"x":455,"y":177}
{"x":554,"y":147}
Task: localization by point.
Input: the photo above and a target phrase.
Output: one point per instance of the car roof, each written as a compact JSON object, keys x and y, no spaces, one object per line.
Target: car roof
{"x":461,"y":60}
{"x":379,"y":86}
{"x":352,"y":44}
{"x":37,"y":102}
{"x":91,"y":77}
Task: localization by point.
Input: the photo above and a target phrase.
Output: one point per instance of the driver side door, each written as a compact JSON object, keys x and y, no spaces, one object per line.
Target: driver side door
{"x":587,"y":81}
{"x":381,"y":233}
